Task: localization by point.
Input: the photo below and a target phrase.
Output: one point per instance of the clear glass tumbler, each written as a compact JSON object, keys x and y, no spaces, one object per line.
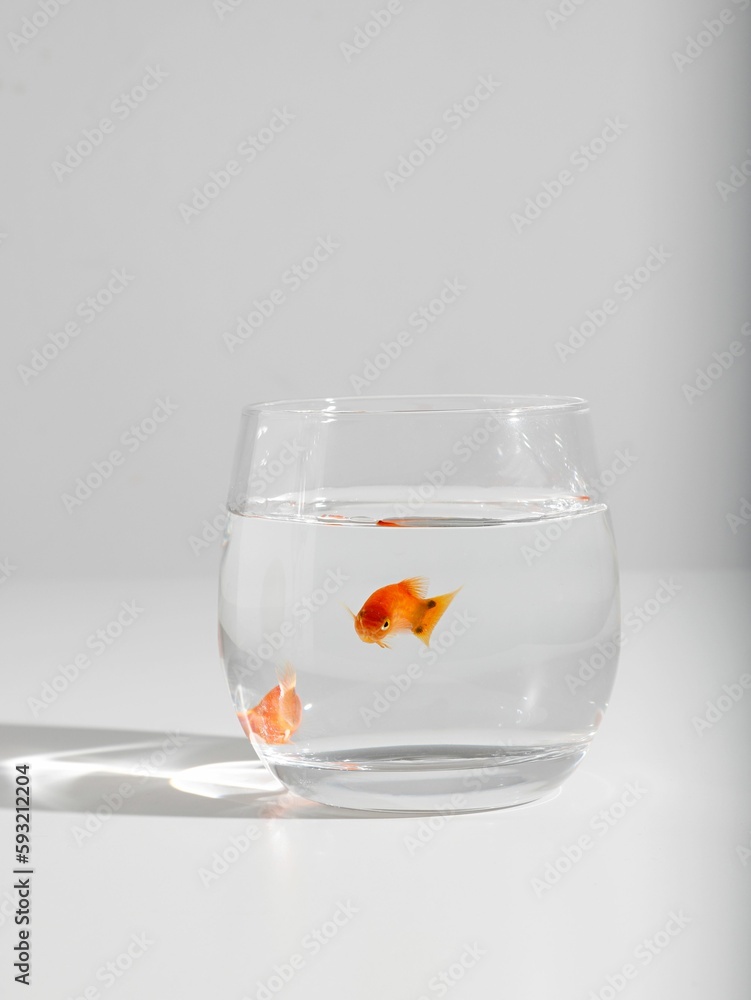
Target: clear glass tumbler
{"x":419,"y":597}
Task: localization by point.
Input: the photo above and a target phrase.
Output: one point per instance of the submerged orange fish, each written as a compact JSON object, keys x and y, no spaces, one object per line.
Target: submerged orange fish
{"x":278,"y":714}
{"x":400,"y":607}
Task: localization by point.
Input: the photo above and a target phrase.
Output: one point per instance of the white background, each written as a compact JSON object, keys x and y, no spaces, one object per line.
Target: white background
{"x":138,"y":537}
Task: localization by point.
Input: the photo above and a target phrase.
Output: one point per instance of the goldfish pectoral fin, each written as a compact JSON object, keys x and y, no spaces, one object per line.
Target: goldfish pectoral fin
{"x":354,"y":616}
{"x":434,"y":610}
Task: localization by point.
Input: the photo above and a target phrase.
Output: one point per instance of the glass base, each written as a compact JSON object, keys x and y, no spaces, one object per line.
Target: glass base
{"x":430,"y":779}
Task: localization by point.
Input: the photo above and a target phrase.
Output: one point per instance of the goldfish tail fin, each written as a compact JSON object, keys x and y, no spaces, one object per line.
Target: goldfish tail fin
{"x":287,"y":678}
{"x":436,"y":607}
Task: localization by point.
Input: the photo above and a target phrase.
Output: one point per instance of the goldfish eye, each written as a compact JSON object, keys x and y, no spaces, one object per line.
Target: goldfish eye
{"x":386,"y":624}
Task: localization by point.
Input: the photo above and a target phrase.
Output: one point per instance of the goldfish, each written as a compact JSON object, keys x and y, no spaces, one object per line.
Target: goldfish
{"x":278,"y":714}
{"x":400,"y":607}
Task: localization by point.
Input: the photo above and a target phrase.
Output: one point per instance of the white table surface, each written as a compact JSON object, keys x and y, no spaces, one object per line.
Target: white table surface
{"x":679,"y":844}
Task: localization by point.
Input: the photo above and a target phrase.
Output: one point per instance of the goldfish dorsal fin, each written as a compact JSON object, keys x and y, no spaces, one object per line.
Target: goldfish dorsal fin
{"x":416,"y":586}
{"x":287,"y":678}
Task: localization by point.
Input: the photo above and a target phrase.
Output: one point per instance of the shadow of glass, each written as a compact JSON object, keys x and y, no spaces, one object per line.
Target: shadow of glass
{"x":130,"y":772}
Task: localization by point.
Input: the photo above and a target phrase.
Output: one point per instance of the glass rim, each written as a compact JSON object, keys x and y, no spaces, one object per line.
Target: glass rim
{"x":418,"y":404}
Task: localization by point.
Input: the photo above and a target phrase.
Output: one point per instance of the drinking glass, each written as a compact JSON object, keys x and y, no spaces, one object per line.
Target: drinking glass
{"x":419,"y":601}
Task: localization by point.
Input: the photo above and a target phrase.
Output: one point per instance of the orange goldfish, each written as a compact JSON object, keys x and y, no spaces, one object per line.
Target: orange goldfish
{"x":278,"y":714}
{"x":400,"y":607}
